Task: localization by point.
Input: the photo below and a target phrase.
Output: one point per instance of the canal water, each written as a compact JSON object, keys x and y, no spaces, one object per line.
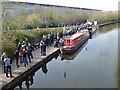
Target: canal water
{"x":92,"y":66}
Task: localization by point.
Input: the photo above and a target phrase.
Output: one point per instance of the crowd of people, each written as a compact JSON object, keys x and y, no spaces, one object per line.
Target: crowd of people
{"x":72,"y":30}
{"x":24,"y":52}
{"x":50,"y":40}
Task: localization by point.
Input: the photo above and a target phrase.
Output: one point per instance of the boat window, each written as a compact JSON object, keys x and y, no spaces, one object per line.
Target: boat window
{"x":68,"y":41}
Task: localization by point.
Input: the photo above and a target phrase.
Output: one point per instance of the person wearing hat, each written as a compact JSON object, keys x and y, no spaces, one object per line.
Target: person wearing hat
{"x":2,"y":59}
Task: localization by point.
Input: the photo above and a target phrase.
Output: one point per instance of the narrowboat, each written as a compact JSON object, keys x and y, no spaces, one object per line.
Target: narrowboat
{"x":74,"y":42}
{"x":73,"y":55}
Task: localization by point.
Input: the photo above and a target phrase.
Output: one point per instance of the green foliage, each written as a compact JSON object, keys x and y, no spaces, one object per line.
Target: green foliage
{"x":38,"y":16}
{"x":9,"y":38}
{"x":22,"y":16}
{"x":103,"y":16}
{"x":23,"y":21}
{"x":8,"y":44}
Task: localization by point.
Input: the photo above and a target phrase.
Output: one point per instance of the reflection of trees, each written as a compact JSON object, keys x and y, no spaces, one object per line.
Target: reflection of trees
{"x":107,"y":28}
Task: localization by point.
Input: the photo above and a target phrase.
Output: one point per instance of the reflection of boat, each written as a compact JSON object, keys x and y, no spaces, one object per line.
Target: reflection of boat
{"x":72,"y":56}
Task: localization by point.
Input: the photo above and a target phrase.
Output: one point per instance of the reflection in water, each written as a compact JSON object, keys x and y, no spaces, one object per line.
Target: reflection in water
{"x":91,"y":67}
{"x":106,"y":29}
{"x":57,"y":56}
{"x":71,"y":57}
{"x":93,"y":33}
{"x":65,"y":72}
{"x":44,"y":68}
{"x":27,"y":83}
{"x":20,"y":85}
{"x":29,"y":80}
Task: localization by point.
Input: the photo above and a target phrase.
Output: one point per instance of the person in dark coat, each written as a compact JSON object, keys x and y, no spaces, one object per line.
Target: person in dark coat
{"x":25,"y":57}
{"x":52,"y":38}
{"x":47,"y":41}
{"x":17,"y":58}
{"x":90,"y":31}
{"x":29,"y":52}
{"x":44,"y":48}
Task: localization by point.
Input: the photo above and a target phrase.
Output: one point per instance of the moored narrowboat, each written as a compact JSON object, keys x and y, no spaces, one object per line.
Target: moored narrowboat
{"x":73,"y":42}
{"x":74,"y":54}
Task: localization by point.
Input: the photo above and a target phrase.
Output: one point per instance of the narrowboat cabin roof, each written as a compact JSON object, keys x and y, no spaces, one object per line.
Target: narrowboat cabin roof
{"x":73,"y":36}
